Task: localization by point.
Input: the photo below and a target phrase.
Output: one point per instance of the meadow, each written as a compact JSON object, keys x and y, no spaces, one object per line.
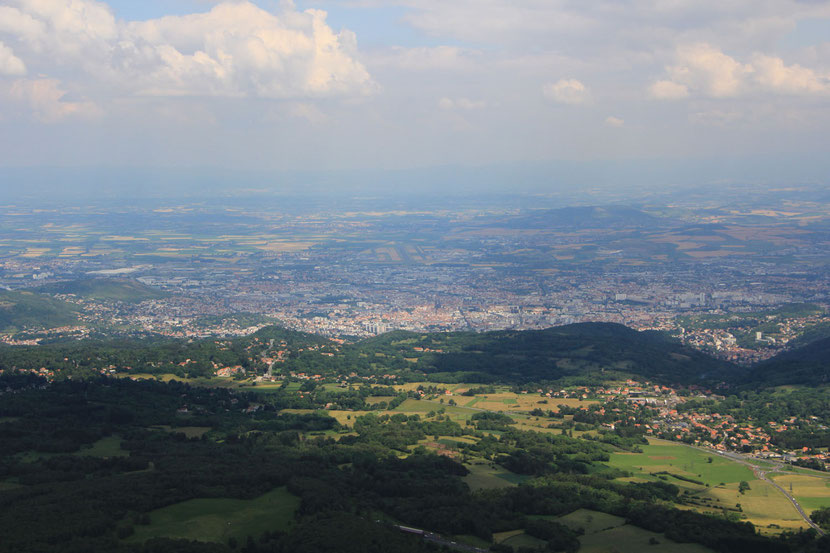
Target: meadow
{"x":218,"y":520}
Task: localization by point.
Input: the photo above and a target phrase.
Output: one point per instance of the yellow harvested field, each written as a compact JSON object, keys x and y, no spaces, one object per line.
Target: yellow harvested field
{"x":35,"y":252}
{"x":713,"y":253}
{"x":285,"y":246}
{"x":762,"y":504}
{"x":812,"y":492}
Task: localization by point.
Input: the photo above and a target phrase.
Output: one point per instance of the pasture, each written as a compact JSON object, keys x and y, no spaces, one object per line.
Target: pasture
{"x":631,"y":539}
{"x":762,"y":505}
{"x":486,"y":476}
{"x":109,"y":446}
{"x":217,"y":520}
{"x":663,"y":456}
{"x":590,"y":521}
{"x":810,"y":491}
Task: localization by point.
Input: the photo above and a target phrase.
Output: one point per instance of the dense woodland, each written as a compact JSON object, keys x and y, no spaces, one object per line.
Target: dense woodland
{"x":59,"y":499}
{"x":352,"y":484}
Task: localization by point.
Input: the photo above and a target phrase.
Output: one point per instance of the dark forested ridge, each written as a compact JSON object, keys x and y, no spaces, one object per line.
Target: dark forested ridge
{"x":584,"y":349}
{"x":809,"y":364}
{"x":588,"y":351}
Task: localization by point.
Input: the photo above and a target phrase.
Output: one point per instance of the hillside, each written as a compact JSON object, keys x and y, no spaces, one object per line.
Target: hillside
{"x":808,"y":365}
{"x":23,"y":309}
{"x":585,"y":349}
{"x":112,"y":289}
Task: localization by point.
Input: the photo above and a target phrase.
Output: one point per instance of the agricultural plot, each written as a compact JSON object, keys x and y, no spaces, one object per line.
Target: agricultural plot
{"x":486,"y":476}
{"x":217,"y":520}
{"x":762,"y":505}
{"x":421,"y":407}
{"x":680,"y":460}
{"x":509,"y":401}
{"x":810,"y":491}
{"x":631,"y":539}
{"x":590,"y":521}
{"x":712,"y":487}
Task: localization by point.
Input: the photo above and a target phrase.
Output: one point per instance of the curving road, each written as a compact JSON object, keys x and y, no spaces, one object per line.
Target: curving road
{"x":761,"y":474}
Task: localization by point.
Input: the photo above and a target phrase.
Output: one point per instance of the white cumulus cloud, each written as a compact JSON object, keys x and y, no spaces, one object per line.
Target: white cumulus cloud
{"x":612,"y":121}
{"x":9,"y":63}
{"x":234,"y":50}
{"x":668,"y":90}
{"x":566,"y":91}
{"x":46,"y":99}
{"x":705,"y":70}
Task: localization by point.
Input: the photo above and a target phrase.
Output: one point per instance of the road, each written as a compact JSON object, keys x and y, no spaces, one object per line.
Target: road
{"x":439,"y":539}
{"x":761,"y":474}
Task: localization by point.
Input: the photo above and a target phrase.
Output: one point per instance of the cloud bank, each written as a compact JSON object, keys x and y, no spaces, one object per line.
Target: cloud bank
{"x":235,"y":50}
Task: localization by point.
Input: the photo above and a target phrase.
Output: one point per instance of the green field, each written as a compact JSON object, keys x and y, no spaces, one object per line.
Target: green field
{"x":663,"y":456}
{"x":217,"y":520}
{"x":422,"y":407}
{"x":590,"y":521}
{"x":631,"y":539}
{"x":762,"y":504}
{"x":105,"y":447}
{"x":484,"y":476}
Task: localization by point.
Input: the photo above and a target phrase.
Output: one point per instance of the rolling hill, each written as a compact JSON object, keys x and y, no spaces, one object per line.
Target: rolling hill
{"x":808,"y":365}
{"x":585,"y":349}
{"x":24,"y":309}
{"x":107,"y":289}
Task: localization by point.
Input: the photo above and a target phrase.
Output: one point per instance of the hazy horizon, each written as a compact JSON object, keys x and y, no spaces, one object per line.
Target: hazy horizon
{"x":658,"y":90}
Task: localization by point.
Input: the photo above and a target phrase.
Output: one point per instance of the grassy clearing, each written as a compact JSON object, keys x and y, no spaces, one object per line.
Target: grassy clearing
{"x":523,"y":540}
{"x":499,"y":537}
{"x":631,"y":539}
{"x":217,"y":520}
{"x":189,"y":431}
{"x":590,"y":521}
{"x":475,"y":541}
{"x":682,"y":460}
{"x":105,"y":447}
{"x":485,"y":476}
{"x":422,"y":407}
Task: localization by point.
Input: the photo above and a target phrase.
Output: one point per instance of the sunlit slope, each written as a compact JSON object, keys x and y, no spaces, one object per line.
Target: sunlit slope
{"x":23,"y":309}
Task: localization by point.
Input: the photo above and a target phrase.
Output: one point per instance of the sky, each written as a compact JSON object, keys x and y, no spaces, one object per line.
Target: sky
{"x":333,"y":85}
